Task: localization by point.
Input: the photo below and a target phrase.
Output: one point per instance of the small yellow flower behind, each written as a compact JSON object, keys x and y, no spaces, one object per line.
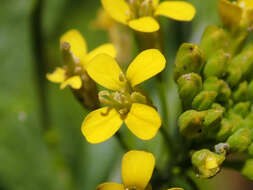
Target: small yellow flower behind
{"x":125,"y":103}
{"x":237,"y":13}
{"x":137,"y":169}
{"x":141,"y":15}
{"x":75,"y":59}
{"x":248,"y":4}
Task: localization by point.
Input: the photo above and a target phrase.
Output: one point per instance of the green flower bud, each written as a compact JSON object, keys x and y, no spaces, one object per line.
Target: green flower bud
{"x":204,"y":100}
{"x":234,"y":74}
{"x":240,"y":140}
{"x":250,"y":90}
{"x":241,"y":108}
{"x":245,"y":61}
{"x":220,"y":86}
{"x":249,"y":121}
{"x":225,"y":130}
{"x":213,"y":39}
{"x":250,"y":149}
{"x":236,"y":120}
{"x":241,"y":93}
{"x":189,"y":85}
{"x":207,"y":163}
{"x":212,"y":122}
{"x":189,"y":59}
{"x":191,"y":123}
{"x":247,"y":169}
{"x":217,"y":64}
{"x":217,"y":106}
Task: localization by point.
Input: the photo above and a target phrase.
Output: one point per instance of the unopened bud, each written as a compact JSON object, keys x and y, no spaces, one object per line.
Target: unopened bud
{"x":191,"y":123}
{"x":242,"y":109}
{"x":189,"y":59}
{"x":225,"y":130}
{"x":204,"y":100}
{"x":241,"y":93}
{"x":245,"y":61}
{"x":240,"y":140}
{"x":234,"y":74}
{"x":217,"y":64}
{"x":250,"y":90}
{"x":247,"y":169}
{"x":212,"y":122}
{"x":213,"y":39}
{"x":220,"y":86}
{"x":189,"y":85}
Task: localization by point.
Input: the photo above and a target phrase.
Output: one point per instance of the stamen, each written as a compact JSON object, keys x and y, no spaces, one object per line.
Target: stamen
{"x":107,"y":112}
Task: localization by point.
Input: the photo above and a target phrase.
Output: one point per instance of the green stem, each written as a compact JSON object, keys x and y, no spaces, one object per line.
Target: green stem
{"x":40,"y":67}
{"x":122,"y":143}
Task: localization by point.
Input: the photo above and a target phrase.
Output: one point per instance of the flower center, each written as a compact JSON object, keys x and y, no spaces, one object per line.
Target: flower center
{"x":122,"y":99}
{"x":140,"y":8}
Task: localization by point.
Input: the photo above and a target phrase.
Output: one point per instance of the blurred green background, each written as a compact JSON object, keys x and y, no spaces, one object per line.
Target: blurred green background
{"x":41,"y":145}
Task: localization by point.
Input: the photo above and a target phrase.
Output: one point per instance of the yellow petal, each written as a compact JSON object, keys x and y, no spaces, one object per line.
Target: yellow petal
{"x":110,"y":186}
{"x":177,"y":10}
{"x":105,"y":71}
{"x":230,"y":13}
{"x":144,"y":121}
{"x":146,"y":65}
{"x":77,"y":43}
{"x":108,"y":49}
{"x":74,"y":82}
{"x":144,"y":24}
{"x":117,"y":9}
{"x":101,"y":124}
{"x":57,"y":76}
{"x":246,"y":4}
{"x":156,"y":3}
{"x":137,"y":169}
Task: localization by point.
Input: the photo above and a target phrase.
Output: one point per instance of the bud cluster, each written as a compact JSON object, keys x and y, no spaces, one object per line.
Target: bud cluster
{"x":215,"y":85}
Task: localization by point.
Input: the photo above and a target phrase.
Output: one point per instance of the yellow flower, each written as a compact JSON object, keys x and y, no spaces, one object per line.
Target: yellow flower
{"x":248,"y":4}
{"x":236,"y":13}
{"x":124,"y":104}
{"x":76,"y":58}
{"x":141,"y":15}
{"x":137,"y":168}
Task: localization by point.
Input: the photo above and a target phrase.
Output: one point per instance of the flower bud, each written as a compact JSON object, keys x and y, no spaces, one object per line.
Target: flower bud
{"x":250,"y":90}
{"x":212,"y":122}
{"x":225,"y":130}
{"x":250,"y":149}
{"x":188,"y":86}
{"x":220,"y":86}
{"x":191,"y":123}
{"x":241,"y":109}
{"x":189,"y":59}
{"x":207,"y":163}
{"x":213,"y":39}
{"x":245,"y":61}
{"x":218,"y":107}
{"x":247,"y":169}
{"x":204,"y":100}
{"x":217,"y":64}
{"x":241,"y":93}
{"x":234,"y":74}
{"x":236,"y":120}
{"x":240,"y":140}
